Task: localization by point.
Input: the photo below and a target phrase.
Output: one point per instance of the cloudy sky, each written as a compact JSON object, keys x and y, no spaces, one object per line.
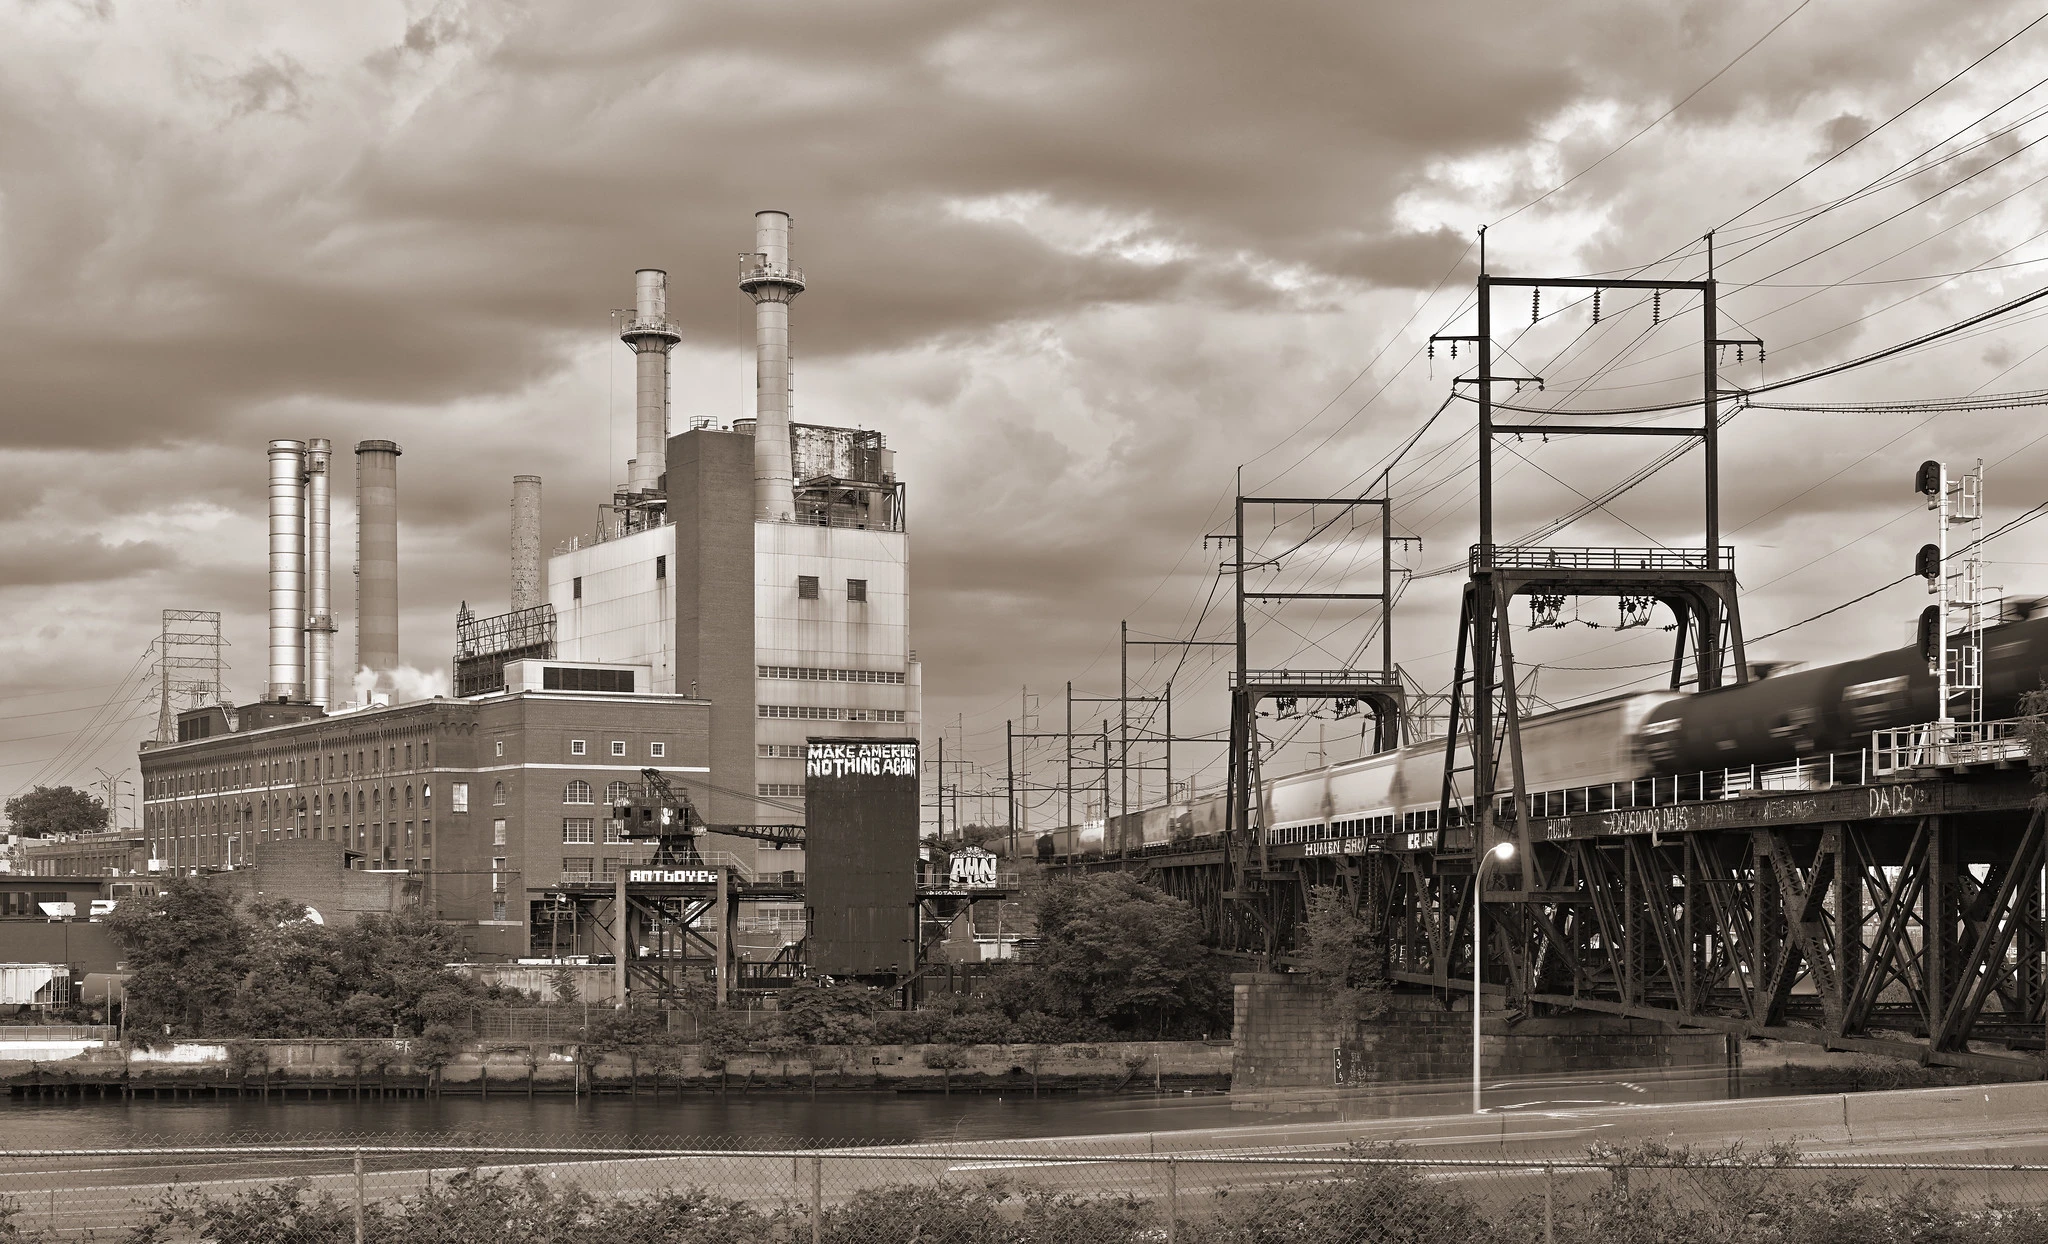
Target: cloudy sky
{"x":1080,"y":262}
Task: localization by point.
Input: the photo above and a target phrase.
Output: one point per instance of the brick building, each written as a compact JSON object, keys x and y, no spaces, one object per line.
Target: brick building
{"x":485,"y":802}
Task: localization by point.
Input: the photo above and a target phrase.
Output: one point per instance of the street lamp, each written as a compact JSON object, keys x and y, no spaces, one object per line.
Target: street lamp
{"x":1503,"y":852}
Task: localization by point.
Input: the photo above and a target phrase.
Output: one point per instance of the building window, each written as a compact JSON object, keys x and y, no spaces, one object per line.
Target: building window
{"x":661,"y":565}
{"x":857,"y":590}
{"x":804,"y":673}
{"x":498,"y":747}
{"x":579,"y":831}
{"x":782,"y":751}
{"x":657,"y":750}
{"x":807,"y":587}
{"x":498,"y":837}
{"x":577,"y":791}
{"x":577,"y":747}
{"x":408,"y":755}
{"x":611,"y":868}
{"x":498,"y":910}
{"x":497,"y":794}
{"x":498,"y":880}
{"x":616,"y":792}
{"x":576,"y":588}
{"x":458,"y":797}
{"x":618,"y":747}
{"x":408,"y":798}
{"x":576,"y":869}
{"x":782,"y":789}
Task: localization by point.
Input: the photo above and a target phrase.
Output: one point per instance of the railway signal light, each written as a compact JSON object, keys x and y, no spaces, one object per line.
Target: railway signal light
{"x":1927,"y":481}
{"x":1927,"y":564}
{"x":1930,"y":634}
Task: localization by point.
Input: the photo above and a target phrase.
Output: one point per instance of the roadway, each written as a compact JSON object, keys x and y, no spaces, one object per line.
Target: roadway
{"x":1998,"y":1125}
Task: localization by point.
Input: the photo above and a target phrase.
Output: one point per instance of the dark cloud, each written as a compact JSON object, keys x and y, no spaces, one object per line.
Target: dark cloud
{"x":57,"y":561}
{"x":1079,"y":261}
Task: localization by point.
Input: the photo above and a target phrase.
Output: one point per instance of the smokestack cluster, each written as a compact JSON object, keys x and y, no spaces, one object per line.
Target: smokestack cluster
{"x":301,"y":573}
{"x":377,"y":560}
{"x":651,"y":337}
{"x":527,"y":592}
{"x":773,"y":283}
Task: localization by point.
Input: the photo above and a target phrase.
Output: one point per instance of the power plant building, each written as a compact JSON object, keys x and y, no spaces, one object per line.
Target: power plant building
{"x":748,"y":591}
{"x":765,"y":568}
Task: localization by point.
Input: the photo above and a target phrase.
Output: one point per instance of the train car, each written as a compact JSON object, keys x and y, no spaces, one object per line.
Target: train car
{"x":1832,"y":708}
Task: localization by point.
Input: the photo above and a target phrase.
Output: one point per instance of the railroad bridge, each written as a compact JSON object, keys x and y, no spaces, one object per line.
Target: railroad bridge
{"x":1898,"y":912}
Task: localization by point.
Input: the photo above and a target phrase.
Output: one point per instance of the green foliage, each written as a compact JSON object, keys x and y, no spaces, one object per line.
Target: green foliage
{"x":1341,"y":951}
{"x":48,"y":810}
{"x":562,"y":984}
{"x":1127,"y":954}
{"x":188,"y":952}
{"x":203,"y":969}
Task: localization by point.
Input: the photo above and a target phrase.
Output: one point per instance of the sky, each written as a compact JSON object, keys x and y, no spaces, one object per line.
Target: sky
{"x":1093,"y":269}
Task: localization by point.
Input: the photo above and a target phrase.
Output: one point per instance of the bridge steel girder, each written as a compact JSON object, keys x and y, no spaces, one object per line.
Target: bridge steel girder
{"x":1919,"y":936}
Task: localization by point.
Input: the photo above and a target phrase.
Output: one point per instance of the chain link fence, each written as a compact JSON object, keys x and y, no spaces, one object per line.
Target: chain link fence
{"x":612,"y":1191}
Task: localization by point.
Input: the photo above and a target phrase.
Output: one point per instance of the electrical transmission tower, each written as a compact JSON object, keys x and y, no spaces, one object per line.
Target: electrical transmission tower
{"x":188,"y":666}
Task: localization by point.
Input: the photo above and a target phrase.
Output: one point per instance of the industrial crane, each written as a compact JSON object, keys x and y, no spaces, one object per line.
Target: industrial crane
{"x":661,"y":812}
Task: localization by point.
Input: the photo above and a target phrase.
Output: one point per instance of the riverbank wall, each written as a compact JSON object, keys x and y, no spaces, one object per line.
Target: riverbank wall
{"x":94,"y":1068}
{"x":1286,"y":1043}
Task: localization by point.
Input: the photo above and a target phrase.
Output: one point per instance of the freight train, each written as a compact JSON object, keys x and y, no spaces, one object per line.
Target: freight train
{"x":1625,"y":751}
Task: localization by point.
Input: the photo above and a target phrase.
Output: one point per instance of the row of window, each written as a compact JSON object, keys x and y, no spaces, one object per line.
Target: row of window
{"x":803,"y":673}
{"x":282,"y":772}
{"x":784,"y":789}
{"x":581,"y":747}
{"x":579,"y":792}
{"x":782,"y":751}
{"x":807,"y":588}
{"x":806,"y":712}
{"x":373,"y":802}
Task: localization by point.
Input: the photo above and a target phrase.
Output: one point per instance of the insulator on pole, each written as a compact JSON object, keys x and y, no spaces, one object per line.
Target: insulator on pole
{"x":1596,"y":306}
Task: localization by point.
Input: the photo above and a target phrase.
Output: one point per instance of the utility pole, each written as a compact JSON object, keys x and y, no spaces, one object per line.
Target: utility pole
{"x":1070,"y":753}
{"x":939,"y":795}
{"x":1123,"y":708}
{"x":1010,"y":784}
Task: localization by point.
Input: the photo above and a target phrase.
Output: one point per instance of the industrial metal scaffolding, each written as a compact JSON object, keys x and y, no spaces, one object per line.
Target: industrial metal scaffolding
{"x":188,"y":666}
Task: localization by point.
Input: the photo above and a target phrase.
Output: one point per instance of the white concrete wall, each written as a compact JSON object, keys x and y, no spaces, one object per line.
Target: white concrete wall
{"x":626,"y":615}
{"x":830,"y":633}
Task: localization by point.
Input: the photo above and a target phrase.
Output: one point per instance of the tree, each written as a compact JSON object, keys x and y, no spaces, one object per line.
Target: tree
{"x":1131,"y":955}
{"x":187,"y":951}
{"x":47,"y":811}
{"x":1341,"y":950}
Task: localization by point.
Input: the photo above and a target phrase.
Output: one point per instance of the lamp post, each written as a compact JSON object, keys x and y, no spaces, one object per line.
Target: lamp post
{"x":1503,"y":852}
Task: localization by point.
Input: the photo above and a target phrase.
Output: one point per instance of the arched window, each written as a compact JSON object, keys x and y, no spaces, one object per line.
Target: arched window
{"x":615,"y":793}
{"x":497,"y":794}
{"x":578,"y":792}
{"x":344,"y":803}
{"x":377,"y":800}
{"x":408,"y":798}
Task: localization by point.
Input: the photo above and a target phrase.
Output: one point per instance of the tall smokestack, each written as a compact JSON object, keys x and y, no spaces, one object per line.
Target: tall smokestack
{"x":287,"y":570}
{"x":377,"y":559}
{"x":526,"y":585}
{"x":319,"y":573}
{"x":773,"y":283}
{"x":651,"y":337}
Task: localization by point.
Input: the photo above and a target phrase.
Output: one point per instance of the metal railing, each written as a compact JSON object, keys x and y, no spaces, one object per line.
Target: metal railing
{"x":1951,"y":744}
{"x":1517,"y":557}
{"x":1073,"y":1191}
{"x":751,"y":271}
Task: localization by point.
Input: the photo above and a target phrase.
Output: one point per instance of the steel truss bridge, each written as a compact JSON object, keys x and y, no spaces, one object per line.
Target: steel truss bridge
{"x":1901,"y":917}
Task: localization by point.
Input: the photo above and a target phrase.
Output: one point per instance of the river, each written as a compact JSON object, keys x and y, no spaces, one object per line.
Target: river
{"x":859,"y":1117}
